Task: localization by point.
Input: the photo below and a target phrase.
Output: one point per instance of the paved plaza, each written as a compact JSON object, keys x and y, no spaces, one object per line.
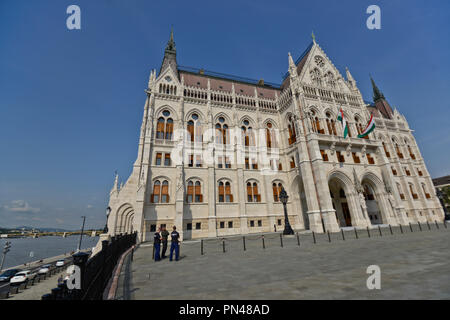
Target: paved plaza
{"x":414,"y":265}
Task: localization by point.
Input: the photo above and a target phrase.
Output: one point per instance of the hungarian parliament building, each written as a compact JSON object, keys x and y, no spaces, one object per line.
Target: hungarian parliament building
{"x":216,"y":150}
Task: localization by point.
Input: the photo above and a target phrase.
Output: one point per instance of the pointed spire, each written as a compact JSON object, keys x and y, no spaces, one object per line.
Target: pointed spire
{"x":349,"y":75}
{"x":171,"y":44}
{"x":377,"y":94}
{"x":291,"y":61}
{"x":116,"y":183}
{"x":313,"y":36}
{"x":170,"y":55}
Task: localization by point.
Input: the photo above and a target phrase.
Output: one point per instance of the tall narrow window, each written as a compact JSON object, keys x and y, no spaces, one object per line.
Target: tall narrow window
{"x":221,"y":192}
{"x":228,"y":194}
{"x":198,"y":192}
{"x":276,"y":189}
{"x":292,"y":163}
{"x":165,"y":192}
{"x":167,"y":159}
{"x":158,"y":159}
{"x":386,"y":151}
{"x":169,"y":129}
{"x":156,"y":191}
{"x":160,"y":128}
{"x":190,"y":192}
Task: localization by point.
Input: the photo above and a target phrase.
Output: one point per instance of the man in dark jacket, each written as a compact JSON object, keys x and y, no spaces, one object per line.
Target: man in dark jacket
{"x":164,"y":237}
{"x":174,"y":245}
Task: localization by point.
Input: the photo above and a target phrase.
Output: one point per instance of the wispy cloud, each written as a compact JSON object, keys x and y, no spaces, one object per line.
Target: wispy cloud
{"x":20,"y":206}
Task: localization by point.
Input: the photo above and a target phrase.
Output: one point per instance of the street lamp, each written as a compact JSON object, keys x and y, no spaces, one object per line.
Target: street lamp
{"x":5,"y":251}
{"x":284,"y":199}
{"x":108,"y":211}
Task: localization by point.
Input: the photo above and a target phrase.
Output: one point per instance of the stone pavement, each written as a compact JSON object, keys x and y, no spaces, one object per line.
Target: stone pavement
{"x":414,"y":265}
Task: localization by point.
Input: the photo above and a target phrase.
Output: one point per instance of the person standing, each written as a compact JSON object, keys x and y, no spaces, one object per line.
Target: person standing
{"x":175,"y":245}
{"x":157,"y":244}
{"x":164,"y":238}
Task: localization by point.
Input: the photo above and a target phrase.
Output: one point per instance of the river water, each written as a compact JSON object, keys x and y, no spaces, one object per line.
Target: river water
{"x":41,"y":248}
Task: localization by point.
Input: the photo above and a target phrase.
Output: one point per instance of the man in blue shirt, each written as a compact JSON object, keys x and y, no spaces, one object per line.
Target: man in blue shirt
{"x":174,"y":245}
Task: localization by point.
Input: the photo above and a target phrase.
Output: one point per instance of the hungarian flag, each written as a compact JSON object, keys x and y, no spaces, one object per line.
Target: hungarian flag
{"x":344,"y":122}
{"x":370,"y":127}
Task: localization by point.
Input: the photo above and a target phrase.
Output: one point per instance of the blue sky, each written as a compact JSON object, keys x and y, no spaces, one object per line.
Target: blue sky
{"x":71,"y":102}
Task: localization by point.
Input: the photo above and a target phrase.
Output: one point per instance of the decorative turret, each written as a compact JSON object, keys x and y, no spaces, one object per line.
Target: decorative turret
{"x":170,"y":55}
{"x":115,"y":187}
{"x":350,"y":79}
{"x":380,"y":101}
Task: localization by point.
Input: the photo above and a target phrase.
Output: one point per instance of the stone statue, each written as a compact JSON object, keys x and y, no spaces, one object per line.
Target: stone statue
{"x":391,"y":200}
{"x":362,"y":202}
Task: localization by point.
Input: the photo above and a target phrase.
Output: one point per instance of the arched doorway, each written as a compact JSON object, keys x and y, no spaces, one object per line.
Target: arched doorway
{"x":339,"y":193}
{"x":124,"y":219}
{"x":372,"y":202}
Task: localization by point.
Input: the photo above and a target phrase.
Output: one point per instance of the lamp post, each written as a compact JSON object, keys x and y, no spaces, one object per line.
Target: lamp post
{"x":284,"y":199}
{"x":81,"y":235}
{"x":5,"y":251}
{"x":108,"y":211}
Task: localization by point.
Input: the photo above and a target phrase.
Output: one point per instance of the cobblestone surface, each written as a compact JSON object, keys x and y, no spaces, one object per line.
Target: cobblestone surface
{"x":414,"y":265}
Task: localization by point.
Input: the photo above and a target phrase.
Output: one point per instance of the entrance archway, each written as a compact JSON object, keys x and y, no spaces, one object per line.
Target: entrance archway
{"x":124,"y":219}
{"x":338,"y":184}
{"x":372,"y":200}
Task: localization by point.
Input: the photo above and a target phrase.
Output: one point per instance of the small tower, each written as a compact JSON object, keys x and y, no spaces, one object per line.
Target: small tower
{"x":380,"y":101}
{"x":170,"y":55}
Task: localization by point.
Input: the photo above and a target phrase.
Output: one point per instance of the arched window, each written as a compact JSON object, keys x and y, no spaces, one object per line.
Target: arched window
{"x":222,"y":133}
{"x":276,"y":189}
{"x":331,"y":124}
{"x":271,"y":139}
{"x":225,"y":194}
{"x":252,"y":192}
{"x":399,"y":152}
{"x":292,"y":163}
{"x":194,"y":192}
{"x":160,"y":194}
{"x":399,"y":188}
{"x":413,"y":194}
{"x":411,"y":153}
{"x":427,"y":195}
{"x":164,"y":127}
{"x":194,"y":129}
{"x":386,"y":150}
{"x":247,"y":134}
{"x":292,"y":133}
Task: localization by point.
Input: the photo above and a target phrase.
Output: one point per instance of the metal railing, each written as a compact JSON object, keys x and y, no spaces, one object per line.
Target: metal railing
{"x":95,"y":272}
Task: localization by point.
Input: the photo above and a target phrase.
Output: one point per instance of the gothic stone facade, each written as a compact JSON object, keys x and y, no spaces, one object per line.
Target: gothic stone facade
{"x":215,"y":151}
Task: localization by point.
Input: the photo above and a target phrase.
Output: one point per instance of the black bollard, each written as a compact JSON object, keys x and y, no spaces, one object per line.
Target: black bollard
{"x":329,"y":238}
{"x":437,"y":226}
{"x":390,"y":228}
{"x":314,"y":237}
{"x":379,"y":229}
{"x":429,"y":228}
{"x":368,"y":232}
{"x":243,"y":241}
{"x":263,"y":243}
{"x":356,"y":233}
{"x":401,"y":229}
{"x":201,"y":247}
{"x":153,"y":253}
{"x":410,"y":227}
{"x":281,"y":240}
{"x":420,"y":226}
{"x":342,"y":232}
{"x":298,"y":240}
{"x":445,"y":224}
{"x":223,"y":245}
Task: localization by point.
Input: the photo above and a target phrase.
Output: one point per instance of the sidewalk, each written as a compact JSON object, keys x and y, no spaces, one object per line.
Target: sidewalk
{"x":414,"y":265}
